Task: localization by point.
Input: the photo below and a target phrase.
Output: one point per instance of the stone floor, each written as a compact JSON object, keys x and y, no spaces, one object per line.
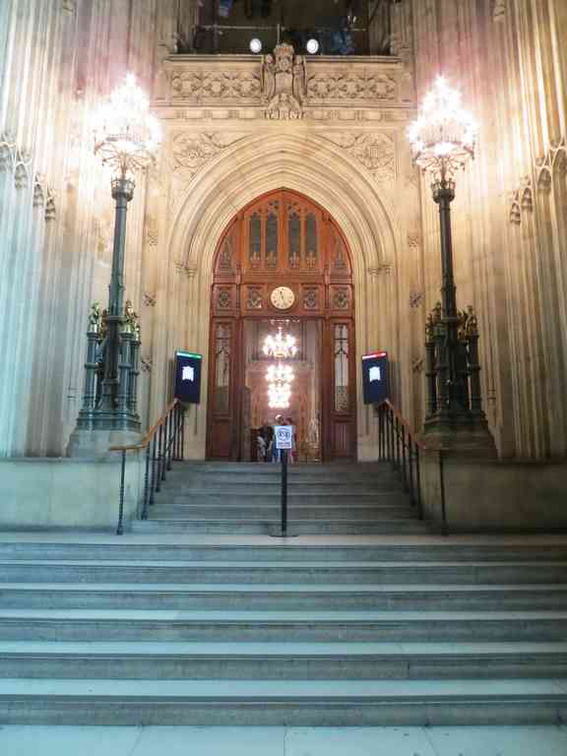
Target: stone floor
{"x":280,"y":741}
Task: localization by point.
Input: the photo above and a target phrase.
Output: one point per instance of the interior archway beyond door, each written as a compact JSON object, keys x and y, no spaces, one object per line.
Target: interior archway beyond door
{"x":282,"y":239}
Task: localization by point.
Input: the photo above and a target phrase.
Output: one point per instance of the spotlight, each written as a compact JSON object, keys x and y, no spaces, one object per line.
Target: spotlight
{"x":255,"y":45}
{"x":312,"y":46}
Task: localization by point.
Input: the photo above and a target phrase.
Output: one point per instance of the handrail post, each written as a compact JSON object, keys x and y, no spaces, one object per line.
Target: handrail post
{"x":120,"y":528}
{"x":146,"y":485}
{"x":403,"y":447}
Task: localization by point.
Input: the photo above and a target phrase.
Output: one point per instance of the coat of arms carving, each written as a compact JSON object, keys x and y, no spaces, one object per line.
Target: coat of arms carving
{"x":283,"y":83}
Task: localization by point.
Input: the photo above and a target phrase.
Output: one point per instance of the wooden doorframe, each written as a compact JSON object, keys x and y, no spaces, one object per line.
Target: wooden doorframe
{"x":329,"y":282}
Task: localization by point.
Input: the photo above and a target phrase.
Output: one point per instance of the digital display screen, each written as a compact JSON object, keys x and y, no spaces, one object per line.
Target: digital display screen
{"x":188,"y":377}
{"x":375,"y":377}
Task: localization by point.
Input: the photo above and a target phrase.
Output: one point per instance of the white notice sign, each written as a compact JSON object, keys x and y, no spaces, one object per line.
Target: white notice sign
{"x":284,"y":436}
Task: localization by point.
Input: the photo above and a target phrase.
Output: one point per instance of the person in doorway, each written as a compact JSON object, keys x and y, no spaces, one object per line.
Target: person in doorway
{"x":266,"y":433}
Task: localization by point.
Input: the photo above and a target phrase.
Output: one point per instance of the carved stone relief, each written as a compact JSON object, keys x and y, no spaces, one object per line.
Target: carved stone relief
{"x":375,"y":151}
{"x":520,"y":201}
{"x":190,"y":152}
{"x":149,"y":298}
{"x":283,"y":83}
{"x":221,"y":85}
{"x":151,"y":230}
{"x":351,"y":85}
{"x":416,"y":298}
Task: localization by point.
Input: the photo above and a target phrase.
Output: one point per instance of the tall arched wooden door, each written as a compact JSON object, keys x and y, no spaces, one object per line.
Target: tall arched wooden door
{"x":282,"y":239}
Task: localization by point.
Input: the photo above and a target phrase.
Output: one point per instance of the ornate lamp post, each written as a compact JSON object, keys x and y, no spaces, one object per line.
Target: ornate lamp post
{"x":126,"y":137}
{"x":443,"y":140}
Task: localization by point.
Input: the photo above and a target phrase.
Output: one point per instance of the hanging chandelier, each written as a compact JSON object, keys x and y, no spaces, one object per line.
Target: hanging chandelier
{"x":280,"y":373}
{"x":280,"y":346}
{"x":279,"y":394}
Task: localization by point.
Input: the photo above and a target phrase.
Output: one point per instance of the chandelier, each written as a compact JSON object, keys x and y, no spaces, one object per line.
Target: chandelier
{"x":280,"y":373}
{"x":279,"y":346}
{"x":279,"y":394}
{"x":443,"y":136}
{"x":126,"y":134}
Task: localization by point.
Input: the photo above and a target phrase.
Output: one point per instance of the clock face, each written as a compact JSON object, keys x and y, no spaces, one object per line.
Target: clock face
{"x":282,"y":297}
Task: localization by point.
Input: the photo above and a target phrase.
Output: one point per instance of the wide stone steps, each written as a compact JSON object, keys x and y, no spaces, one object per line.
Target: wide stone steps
{"x":296,"y":510}
{"x":270,"y":661}
{"x":271,"y":702}
{"x":280,"y":597}
{"x":411,"y":551}
{"x":281,"y":626}
{"x":269,"y":572}
{"x":235,"y":525}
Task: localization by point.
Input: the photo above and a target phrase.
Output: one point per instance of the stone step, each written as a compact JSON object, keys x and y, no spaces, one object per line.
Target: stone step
{"x":271,"y":661}
{"x":157,"y":524}
{"x":273,"y":496}
{"x":400,"y":549}
{"x":256,"y":572}
{"x":289,"y":702}
{"x":296,"y":511}
{"x":273,"y":626}
{"x":283,"y":597}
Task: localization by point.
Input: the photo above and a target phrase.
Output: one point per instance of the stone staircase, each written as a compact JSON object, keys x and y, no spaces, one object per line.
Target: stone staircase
{"x":361,"y":631}
{"x":244,"y":498}
{"x":175,"y":624}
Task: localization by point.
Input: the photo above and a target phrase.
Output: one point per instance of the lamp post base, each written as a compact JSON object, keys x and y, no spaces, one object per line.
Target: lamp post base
{"x":95,"y":444}
{"x":463,"y":433}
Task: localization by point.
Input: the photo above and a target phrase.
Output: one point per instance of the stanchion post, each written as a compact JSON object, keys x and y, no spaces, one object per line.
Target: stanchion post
{"x":284,"y":492}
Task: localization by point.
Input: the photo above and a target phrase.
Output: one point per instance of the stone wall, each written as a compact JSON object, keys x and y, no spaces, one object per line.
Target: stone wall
{"x":59,"y":58}
{"x":509,"y":59}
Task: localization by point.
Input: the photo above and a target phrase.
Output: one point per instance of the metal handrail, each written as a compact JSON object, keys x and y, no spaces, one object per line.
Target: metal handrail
{"x":163,"y":443}
{"x":398,"y":445}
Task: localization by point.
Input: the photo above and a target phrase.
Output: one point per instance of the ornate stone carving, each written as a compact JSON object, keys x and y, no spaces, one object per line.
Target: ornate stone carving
{"x":554,"y":161}
{"x":383,"y":268}
{"x":521,"y":200}
{"x":149,"y":298}
{"x":39,"y":190}
{"x":221,"y":85}
{"x":191,"y":151}
{"x":22,"y":162}
{"x":69,"y":6}
{"x":417,"y":364}
{"x":416,"y":298}
{"x":413,"y":240}
{"x":183,"y":267}
{"x":498,"y":9}
{"x":8,"y":149}
{"x":151,"y":230}
{"x":146,"y":363}
{"x":50,"y":208}
{"x":283,"y":83}
{"x":375,"y":151}
{"x":351,"y":85}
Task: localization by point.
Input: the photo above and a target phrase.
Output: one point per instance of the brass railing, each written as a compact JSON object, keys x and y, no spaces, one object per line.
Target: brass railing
{"x":163,"y":444}
{"x":398,"y":445}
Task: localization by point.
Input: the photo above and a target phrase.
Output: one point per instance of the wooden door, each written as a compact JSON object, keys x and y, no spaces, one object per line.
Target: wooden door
{"x":282,"y":239}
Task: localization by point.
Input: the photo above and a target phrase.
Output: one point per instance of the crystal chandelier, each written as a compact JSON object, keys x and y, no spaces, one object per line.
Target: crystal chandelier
{"x":279,"y":394}
{"x":279,"y":346}
{"x":443,"y":136}
{"x":126,"y":134}
{"x":279,"y":373}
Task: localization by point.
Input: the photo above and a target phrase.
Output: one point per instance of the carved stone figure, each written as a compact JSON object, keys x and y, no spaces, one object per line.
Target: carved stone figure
{"x":283,"y":83}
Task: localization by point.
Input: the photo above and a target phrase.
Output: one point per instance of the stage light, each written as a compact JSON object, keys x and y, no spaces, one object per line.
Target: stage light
{"x":312,"y":46}
{"x":255,"y":45}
